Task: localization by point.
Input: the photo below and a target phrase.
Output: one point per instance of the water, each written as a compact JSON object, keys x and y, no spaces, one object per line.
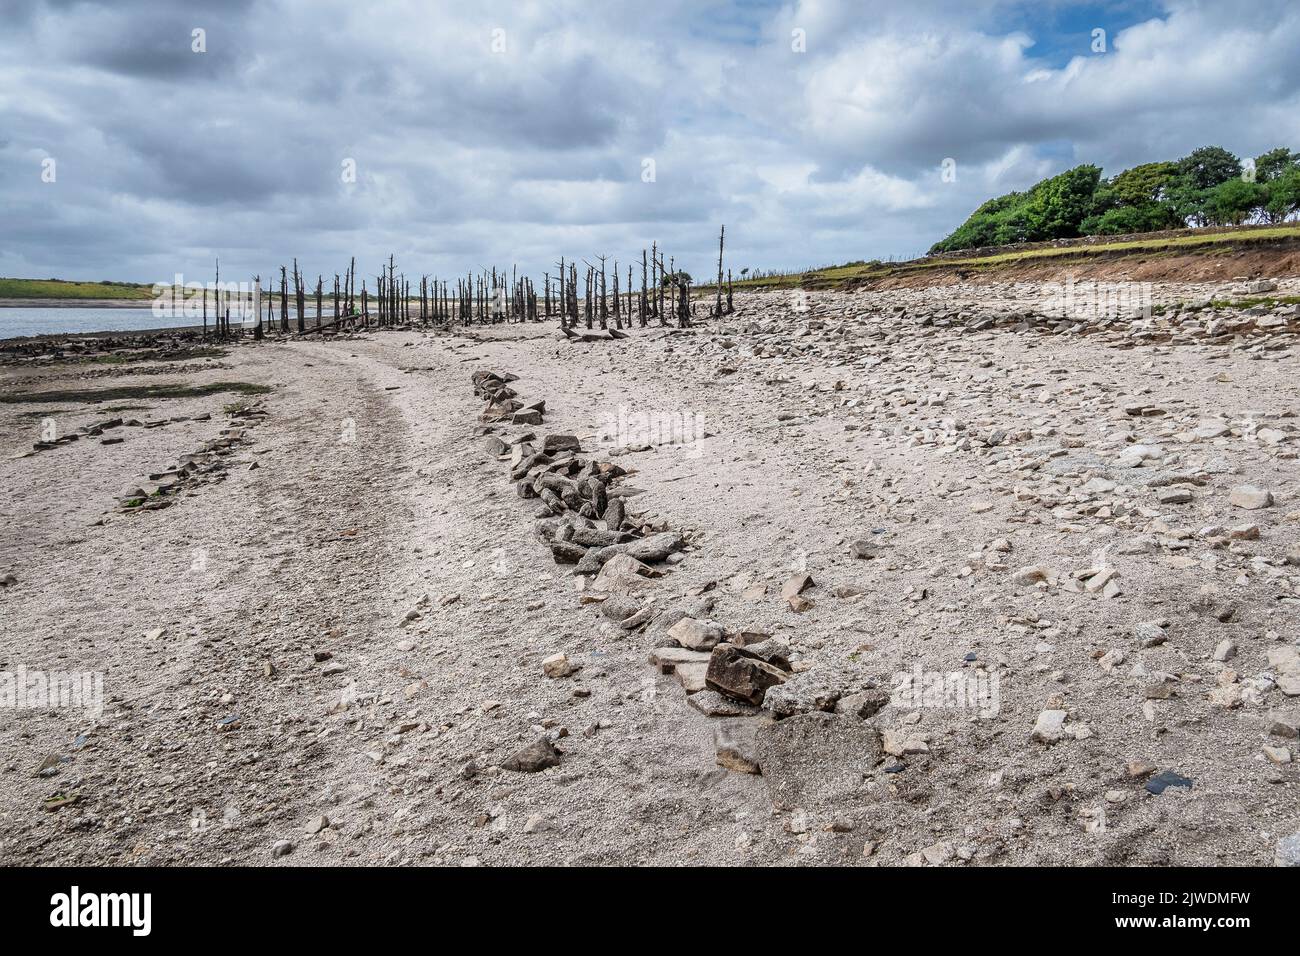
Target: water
{"x":47,"y":321}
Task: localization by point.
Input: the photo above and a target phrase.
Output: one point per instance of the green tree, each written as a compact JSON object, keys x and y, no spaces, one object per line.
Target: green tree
{"x":1056,"y":206}
{"x":1283,"y":196}
{"x":1208,"y":166}
{"x":1142,"y":184}
{"x":1273,"y":164}
{"x":1234,"y":201}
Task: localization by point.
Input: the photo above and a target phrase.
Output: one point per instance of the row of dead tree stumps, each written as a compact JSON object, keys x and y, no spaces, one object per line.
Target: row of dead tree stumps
{"x":583,"y":520}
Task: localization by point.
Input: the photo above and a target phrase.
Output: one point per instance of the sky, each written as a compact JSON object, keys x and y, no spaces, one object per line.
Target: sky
{"x":143,"y":138}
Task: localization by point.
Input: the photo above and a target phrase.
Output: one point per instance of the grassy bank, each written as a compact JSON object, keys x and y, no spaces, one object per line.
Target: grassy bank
{"x":59,"y":289}
{"x":1191,"y":242}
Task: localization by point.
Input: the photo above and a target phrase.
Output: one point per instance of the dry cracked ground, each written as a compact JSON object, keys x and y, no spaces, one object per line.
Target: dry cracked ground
{"x":948,"y":582}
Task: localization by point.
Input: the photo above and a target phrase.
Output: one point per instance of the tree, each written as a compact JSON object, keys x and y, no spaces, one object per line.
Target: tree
{"x":1124,"y":220}
{"x":1208,"y":166}
{"x":1142,"y":184}
{"x":1056,"y":206}
{"x":1234,"y":201}
{"x":1273,"y":164}
{"x":1283,"y":196}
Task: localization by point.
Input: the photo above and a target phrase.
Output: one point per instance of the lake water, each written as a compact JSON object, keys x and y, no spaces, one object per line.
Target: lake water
{"x":48,"y":321}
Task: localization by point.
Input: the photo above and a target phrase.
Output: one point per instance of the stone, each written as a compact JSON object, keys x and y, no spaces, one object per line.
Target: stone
{"x":693,"y":677}
{"x":734,"y":673}
{"x":1166,"y":779}
{"x":552,"y":444}
{"x":533,"y":758}
{"x":668,"y":659}
{"x":558,"y":665}
{"x":623,"y":574}
{"x":796,"y":585}
{"x":863,"y":704}
{"x":1277,"y":755}
{"x":1050,"y":726}
{"x":281,"y":848}
{"x":316,"y":824}
{"x":1032,"y":574}
{"x":800,"y":695}
{"x":1138,"y":769}
{"x":1150,"y":634}
{"x":1287,"y":852}
{"x":816,"y":758}
{"x":1285,"y":660}
{"x":734,"y":744}
{"x":696,"y":635}
{"x":712,"y":704}
{"x":1250,"y":498}
{"x":1225,"y":651}
{"x":1284,"y":723}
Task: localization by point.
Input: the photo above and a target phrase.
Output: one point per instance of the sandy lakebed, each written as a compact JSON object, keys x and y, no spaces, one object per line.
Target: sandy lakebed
{"x":320,"y":607}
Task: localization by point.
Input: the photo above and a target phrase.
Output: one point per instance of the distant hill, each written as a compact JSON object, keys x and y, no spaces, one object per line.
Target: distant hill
{"x":59,"y":289}
{"x":1208,"y":187}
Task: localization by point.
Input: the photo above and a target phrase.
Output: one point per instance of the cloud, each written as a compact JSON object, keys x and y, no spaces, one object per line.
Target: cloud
{"x":518,"y":132}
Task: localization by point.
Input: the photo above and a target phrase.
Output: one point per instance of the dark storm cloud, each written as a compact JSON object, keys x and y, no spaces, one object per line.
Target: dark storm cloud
{"x":505,"y":132}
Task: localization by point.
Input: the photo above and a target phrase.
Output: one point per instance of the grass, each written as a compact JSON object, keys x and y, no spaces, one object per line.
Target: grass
{"x":129,"y":392}
{"x":151,"y":355}
{"x":856,"y":271}
{"x":60,"y":289}
{"x":1268,"y":302}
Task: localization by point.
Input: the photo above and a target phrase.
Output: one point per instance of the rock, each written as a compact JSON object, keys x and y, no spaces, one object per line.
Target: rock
{"x":1150,"y":634}
{"x":1287,"y":852}
{"x":796,"y":586}
{"x":1225,"y":651}
{"x":1032,"y":574}
{"x":527,"y":416}
{"x":316,"y":824}
{"x":863,"y":704}
{"x":552,"y":444}
{"x":801,"y":694}
{"x":696,"y":635}
{"x":537,"y":823}
{"x":1050,"y":726}
{"x":734,"y":744}
{"x":281,"y":848}
{"x":1277,"y":755}
{"x":533,"y":758}
{"x":736,"y":674}
{"x":773,"y":650}
{"x":816,"y":758}
{"x":864,"y":550}
{"x":939,"y":853}
{"x":558,"y":665}
{"x":1138,"y":769}
{"x":623,"y":574}
{"x":668,"y":659}
{"x":1166,"y":779}
{"x":899,"y":743}
{"x":712,"y":704}
{"x":654,"y":548}
{"x":692,"y":676}
{"x":1284,"y":723}
{"x":1250,"y":498}
{"x":1173,"y":496}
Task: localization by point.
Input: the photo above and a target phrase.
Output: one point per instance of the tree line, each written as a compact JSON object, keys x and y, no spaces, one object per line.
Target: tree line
{"x":1208,"y":187}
